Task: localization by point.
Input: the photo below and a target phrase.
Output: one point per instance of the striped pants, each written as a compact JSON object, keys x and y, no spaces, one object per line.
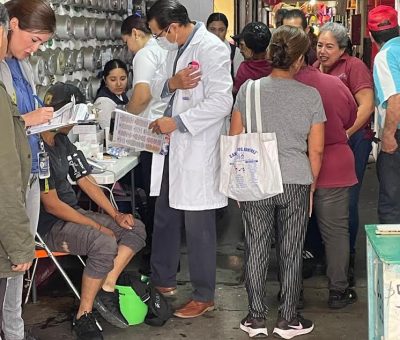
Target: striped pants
{"x":288,"y":212}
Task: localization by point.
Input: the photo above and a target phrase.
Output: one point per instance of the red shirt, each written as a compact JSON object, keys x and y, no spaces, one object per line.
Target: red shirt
{"x":338,"y":169}
{"x":251,"y":69}
{"x":352,"y":72}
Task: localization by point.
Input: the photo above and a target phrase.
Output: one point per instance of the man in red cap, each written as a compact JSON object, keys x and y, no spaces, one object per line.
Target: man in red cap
{"x":384,"y":31}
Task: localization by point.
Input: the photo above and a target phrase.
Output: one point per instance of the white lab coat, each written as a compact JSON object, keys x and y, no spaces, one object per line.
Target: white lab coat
{"x":194,"y":160}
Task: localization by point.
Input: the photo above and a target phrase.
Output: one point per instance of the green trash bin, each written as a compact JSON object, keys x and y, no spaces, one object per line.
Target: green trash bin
{"x":383,"y":255}
{"x":132,"y":307}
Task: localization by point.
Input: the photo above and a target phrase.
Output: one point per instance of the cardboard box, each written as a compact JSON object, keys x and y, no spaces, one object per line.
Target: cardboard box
{"x":85,"y":129}
{"x":92,"y":138}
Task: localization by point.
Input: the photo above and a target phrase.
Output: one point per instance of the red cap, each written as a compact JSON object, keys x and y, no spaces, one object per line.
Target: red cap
{"x":382,"y":18}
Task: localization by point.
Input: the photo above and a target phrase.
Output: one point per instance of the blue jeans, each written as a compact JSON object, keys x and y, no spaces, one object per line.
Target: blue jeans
{"x":361,"y":145}
{"x":388,"y":171}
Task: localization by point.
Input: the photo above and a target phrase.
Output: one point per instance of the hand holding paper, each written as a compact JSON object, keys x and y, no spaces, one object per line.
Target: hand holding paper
{"x":39,"y":116}
{"x":163,"y":125}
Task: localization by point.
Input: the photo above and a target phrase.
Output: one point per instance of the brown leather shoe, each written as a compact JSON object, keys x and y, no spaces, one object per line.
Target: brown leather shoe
{"x":167,"y":291}
{"x":193,"y":309}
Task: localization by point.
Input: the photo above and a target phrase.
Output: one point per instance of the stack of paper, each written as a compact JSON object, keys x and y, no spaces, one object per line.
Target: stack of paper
{"x":388,"y":229}
{"x":69,"y":114}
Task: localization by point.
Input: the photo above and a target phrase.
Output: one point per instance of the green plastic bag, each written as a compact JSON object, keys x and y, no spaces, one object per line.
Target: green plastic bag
{"x":132,"y":307}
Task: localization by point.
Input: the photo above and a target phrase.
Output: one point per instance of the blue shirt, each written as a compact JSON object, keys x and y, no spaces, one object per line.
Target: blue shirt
{"x":25,"y":103}
{"x":386,"y":76}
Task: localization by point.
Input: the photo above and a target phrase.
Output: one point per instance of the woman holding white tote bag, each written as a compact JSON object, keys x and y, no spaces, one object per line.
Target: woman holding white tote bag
{"x":294,"y":113}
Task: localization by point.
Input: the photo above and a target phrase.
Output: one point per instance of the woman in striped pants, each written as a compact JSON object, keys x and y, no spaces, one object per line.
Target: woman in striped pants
{"x":295,"y":113}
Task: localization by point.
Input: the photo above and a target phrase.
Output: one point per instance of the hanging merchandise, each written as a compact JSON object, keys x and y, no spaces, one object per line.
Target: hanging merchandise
{"x":60,"y":61}
{"x":316,"y":12}
{"x":38,"y":67}
{"x":103,"y":29}
{"x":92,"y":28}
{"x":75,"y":54}
{"x":69,"y":60}
{"x":63,"y":27}
{"x":78,"y":59}
{"x":80,"y":28}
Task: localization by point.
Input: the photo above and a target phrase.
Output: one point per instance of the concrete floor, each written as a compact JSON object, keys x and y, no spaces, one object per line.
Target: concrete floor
{"x":50,"y":318}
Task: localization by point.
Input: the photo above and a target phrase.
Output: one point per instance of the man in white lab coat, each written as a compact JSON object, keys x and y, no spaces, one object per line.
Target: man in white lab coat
{"x":196,"y":82}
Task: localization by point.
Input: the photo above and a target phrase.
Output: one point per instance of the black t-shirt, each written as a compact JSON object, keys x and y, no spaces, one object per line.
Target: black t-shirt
{"x":59,"y":169}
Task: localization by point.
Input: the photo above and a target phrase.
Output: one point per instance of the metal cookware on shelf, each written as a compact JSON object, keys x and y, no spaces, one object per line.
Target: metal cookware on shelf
{"x":87,"y":89}
{"x":98,"y":58}
{"x":80,"y":28}
{"x":114,"y":5}
{"x":89,"y":61}
{"x":95,"y":82}
{"x":92,"y":28}
{"x":78,"y":59}
{"x":41,"y":91}
{"x":63,"y":27}
{"x":60,"y":58}
{"x":69,"y":60}
{"x":50,"y":61}
{"x":118,"y":25}
{"x":38,"y":67}
{"x":103,"y":29}
{"x":113,"y":29}
{"x":124,"y":5}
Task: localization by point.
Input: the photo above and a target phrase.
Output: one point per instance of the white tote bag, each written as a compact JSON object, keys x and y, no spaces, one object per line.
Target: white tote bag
{"x":250,"y":168}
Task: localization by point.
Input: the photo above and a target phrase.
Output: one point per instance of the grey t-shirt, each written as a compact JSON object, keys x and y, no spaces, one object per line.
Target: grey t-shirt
{"x":288,"y":108}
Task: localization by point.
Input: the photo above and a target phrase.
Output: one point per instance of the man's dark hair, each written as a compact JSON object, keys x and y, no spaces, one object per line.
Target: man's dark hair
{"x":166,"y":12}
{"x":383,"y":36}
{"x":295,"y":13}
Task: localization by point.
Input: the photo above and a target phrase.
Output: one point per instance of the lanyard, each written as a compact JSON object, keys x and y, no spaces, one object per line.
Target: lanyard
{"x":41,"y":144}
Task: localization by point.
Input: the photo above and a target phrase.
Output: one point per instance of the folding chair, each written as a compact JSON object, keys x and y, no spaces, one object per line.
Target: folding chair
{"x":44,"y":252}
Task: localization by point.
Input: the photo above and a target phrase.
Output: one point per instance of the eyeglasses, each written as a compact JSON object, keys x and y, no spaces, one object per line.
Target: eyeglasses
{"x":165,"y":30}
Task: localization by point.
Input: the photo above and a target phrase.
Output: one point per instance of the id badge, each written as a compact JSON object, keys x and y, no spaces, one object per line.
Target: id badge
{"x":44,"y":165}
{"x":165,"y":146}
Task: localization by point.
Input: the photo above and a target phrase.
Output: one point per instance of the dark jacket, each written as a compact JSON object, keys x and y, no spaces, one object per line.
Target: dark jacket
{"x":16,"y":242}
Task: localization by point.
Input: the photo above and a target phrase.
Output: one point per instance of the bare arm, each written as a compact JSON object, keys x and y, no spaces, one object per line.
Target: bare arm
{"x":389,"y":143}
{"x":365,"y":102}
{"x":97,"y":195}
{"x":236,"y":124}
{"x":53,"y":205}
{"x":141,"y":97}
{"x":316,"y":150}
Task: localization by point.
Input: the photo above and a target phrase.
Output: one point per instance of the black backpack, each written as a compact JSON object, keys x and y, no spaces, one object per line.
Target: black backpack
{"x":159,"y":310}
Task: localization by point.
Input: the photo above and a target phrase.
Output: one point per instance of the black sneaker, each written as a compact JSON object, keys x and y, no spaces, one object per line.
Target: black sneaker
{"x":339,"y":300}
{"x":254,"y":327}
{"x":107,"y":304}
{"x":85,"y":327}
{"x":288,"y":330}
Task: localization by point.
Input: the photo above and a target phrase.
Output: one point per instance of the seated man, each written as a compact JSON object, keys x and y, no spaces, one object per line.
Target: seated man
{"x":109,"y":240}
